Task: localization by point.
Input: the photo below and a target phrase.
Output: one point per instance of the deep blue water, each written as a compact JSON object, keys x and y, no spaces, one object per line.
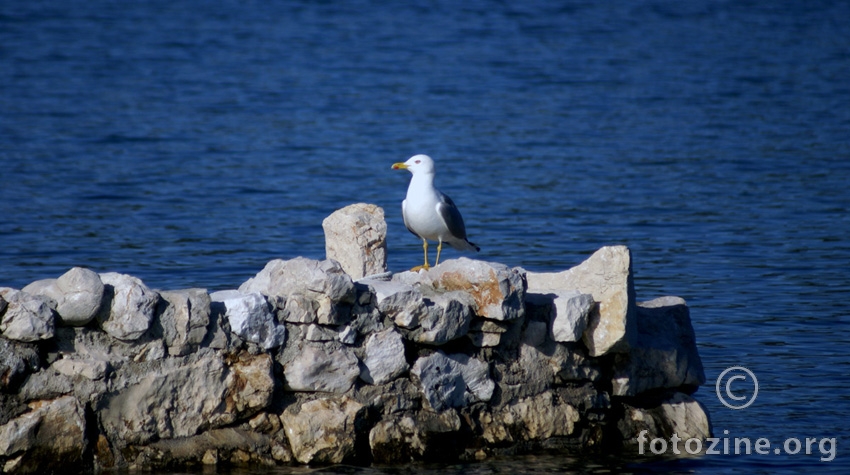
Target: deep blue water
{"x":188,"y":143}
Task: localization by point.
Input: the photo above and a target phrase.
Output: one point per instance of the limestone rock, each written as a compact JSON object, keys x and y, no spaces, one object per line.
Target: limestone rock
{"x":401,"y":302}
{"x":320,"y":333}
{"x":251,"y":318}
{"x":384,"y":359}
{"x":27,"y":318}
{"x":226,"y":446}
{"x":90,"y":369}
{"x":184,"y":316}
{"x":679,"y":414}
{"x":530,"y":372}
{"x":488,"y":333}
{"x":356,"y":237}
{"x":448,"y":318}
{"x":303,"y":276}
{"x":607,"y":276}
{"x":300,"y":309}
{"x":78,"y":295}
{"x":50,"y":438}
{"x":322,"y":431}
{"x":128,"y":308}
{"x":569,"y":311}
{"x":16,"y":361}
{"x":428,"y":436}
{"x":665,"y":355}
{"x":455,"y":380}
{"x":533,"y":418}
{"x":178,"y":397}
{"x":498,"y":291}
{"x":326,"y":368}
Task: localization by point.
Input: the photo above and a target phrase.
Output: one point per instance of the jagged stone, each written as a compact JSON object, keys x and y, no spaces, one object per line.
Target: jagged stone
{"x":679,"y":414}
{"x":323,"y":431}
{"x":78,"y":295}
{"x":498,"y":291}
{"x":90,"y":369}
{"x":50,"y":438}
{"x":304,"y":276}
{"x":17,"y":359}
{"x":129,"y":306}
{"x":324,"y":368}
{"x":227,"y":445}
{"x":568,"y":312}
{"x":356,"y":237}
{"x":319,"y":333}
{"x":184,"y":316}
{"x":448,"y":318}
{"x":427,"y":436}
{"x":251,"y":318}
{"x":528,"y":373}
{"x":384,"y":359}
{"x":178,"y":397}
{"x":26,"y":318}
{"x":665,"y":355}
{"x":533,"y":418}
{"x":607,"y":276}
{"x":401,"y":302}
{"x":455,"y":380}
{"x":300,"y":309}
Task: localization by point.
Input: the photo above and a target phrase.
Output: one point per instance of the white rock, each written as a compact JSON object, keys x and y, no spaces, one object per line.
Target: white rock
{"x":448,"y":318}
{"x":453,"y":380}
{"x":320,"y":333}
{"x":182,"y":395}
{"x":184,"y":319}
{"x":607,"y":276}
{"x":320,"y":368}
{"x":680,"y":414}
{"x":251,"y":318}
{"x":303,"y":276}
{"x":569,"y":313}
{"x":322,"y":431}
{"x":90,"y":368}
{"x":665,"y":355}
{"x":356,"y":237}
{"x":401,"y":302}
{"x":384,"y":359}
{"x":56,"y":427}
{"x":129,"y":308}
{"x":78,"y":294}
{"x":27,"y":318}
{"x":533,"y":418}
{"x":498,"y":291}
{"x":300,"y":309}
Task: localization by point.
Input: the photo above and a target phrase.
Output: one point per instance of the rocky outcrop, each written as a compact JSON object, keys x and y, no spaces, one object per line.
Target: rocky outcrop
{"x":308,"y":362}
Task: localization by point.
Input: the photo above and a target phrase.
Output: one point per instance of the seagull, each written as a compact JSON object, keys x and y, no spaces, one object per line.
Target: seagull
{"x":428,"y":213}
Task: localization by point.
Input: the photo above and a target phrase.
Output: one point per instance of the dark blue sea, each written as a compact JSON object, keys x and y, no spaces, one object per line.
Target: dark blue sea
{"x":188,"y":143}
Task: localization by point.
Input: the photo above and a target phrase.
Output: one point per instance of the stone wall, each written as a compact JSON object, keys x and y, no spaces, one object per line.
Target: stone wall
{"x":304,"y":365}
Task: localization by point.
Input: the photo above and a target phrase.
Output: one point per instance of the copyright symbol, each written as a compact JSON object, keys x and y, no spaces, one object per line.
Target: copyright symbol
{"x":737,"y":373}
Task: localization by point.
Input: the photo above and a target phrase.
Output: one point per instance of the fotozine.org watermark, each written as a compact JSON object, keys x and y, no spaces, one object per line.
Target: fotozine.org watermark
{"x":826,"y":447}
{"x":737,"y":388}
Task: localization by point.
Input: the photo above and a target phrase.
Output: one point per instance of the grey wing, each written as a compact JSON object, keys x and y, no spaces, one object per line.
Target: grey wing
{"x":451,"y":216}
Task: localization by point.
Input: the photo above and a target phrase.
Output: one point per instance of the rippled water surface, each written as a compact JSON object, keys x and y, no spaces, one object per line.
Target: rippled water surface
{"x":188,"y":143}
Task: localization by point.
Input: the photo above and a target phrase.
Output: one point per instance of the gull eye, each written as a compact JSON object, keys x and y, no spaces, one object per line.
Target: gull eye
{"x":418,"y":161}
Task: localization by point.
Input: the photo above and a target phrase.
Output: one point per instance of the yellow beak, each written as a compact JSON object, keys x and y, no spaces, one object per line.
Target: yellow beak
{"x":399,"y":166}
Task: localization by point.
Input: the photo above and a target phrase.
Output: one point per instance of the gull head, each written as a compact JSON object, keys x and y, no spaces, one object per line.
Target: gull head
{"x":417,"y":164}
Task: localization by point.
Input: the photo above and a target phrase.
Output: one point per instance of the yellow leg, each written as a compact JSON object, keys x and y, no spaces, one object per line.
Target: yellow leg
{"x":426,"y":266}
{"x":439,"y":249}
